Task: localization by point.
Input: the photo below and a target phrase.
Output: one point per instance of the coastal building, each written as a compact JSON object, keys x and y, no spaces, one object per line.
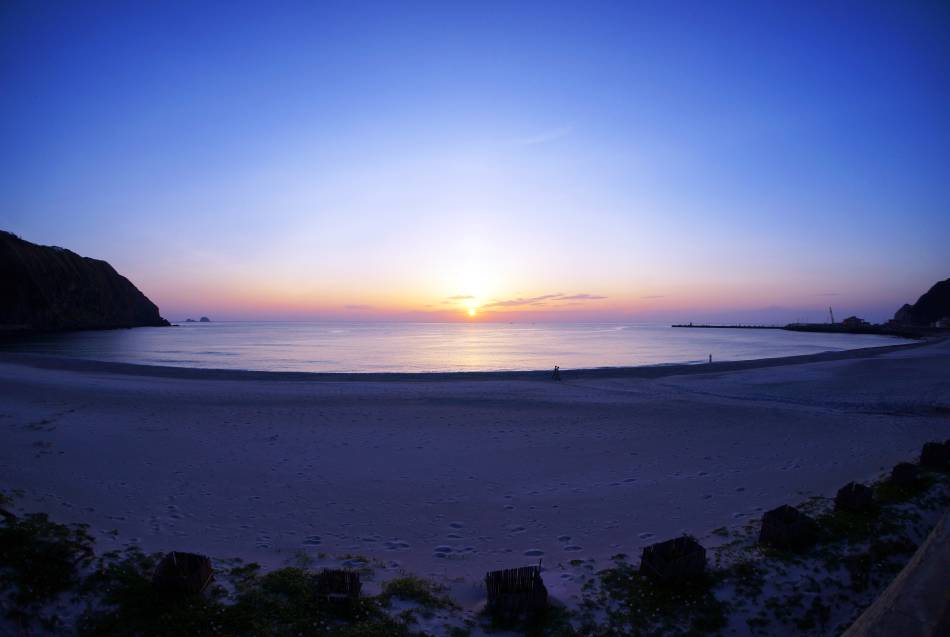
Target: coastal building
{"x":853,"y":321}
{"x":943,"y":323}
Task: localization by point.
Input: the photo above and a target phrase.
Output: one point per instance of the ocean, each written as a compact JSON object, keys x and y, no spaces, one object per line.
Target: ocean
{"x":430,"y":347}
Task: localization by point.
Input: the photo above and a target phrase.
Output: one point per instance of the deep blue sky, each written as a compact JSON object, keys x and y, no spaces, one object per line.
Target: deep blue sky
{"x":322,"y":159}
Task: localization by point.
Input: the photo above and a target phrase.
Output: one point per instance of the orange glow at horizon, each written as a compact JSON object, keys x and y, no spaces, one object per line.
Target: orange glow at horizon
{"x":465,"y":297}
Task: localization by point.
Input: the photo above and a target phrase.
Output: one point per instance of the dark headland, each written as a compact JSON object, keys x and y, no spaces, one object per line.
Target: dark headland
{"x":46,"y":288}
{"x":929,"y":315}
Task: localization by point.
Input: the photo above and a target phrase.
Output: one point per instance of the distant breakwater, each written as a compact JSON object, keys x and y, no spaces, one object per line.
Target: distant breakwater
{"x":834,"y":328}
{"x":733,"y":327}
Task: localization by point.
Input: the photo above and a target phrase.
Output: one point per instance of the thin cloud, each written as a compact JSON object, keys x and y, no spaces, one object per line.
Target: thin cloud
{"x":544,"y":137}
{"x":828,"y":294}
{"x":654,"y":296}
{"x":532,"y":300}
{"x":358,"y":307}
{"x":583,"y":297}
{"x":540,"y":301}
{"x":461,"y":297}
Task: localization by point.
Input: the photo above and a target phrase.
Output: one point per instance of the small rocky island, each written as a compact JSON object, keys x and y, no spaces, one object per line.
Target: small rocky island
{"x":47,"y":288}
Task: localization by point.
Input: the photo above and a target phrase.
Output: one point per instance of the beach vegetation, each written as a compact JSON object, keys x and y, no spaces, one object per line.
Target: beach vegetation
{"x":47,"y":568}
{"x":636,"y":604}
{"x":120,"y":599}
{"x":891,"y":492}
{"x":40,"y":560}
{"x":553,"y":621}
{"x":423,"y":592}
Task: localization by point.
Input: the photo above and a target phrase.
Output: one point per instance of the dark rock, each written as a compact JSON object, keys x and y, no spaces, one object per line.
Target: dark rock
{"x":929,"y":308}
{"x":679,"y":560}
{"x":183,"y":573}
{"x":854,"y":497}
{"x":935,"y":454}
{"x":904,"y":474}
{"x":516,"y":594}
{"x":788,"y":528}
{"x":905,"y":315}
{"x":48,"y":288}
{"x":204,"y":319}
{"x":190,"y":320}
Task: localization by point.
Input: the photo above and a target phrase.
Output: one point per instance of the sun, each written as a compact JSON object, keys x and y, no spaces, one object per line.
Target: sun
{"x":471,"y":307}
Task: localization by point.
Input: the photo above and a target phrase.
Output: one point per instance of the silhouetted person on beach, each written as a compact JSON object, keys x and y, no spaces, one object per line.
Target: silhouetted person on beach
{"x":557,"y":373}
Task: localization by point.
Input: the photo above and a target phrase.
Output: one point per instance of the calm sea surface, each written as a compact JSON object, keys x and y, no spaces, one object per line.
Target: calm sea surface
{"x":430,"y":347}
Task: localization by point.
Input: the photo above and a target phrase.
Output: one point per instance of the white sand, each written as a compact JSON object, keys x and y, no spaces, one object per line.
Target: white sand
{"x":452,"y":478}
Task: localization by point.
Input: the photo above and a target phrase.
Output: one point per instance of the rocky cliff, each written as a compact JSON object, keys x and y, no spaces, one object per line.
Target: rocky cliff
{"x":932,"y":306}
{"x":49,"y":288}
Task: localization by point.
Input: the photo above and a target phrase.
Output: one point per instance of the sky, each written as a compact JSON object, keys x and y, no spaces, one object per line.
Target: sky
{"x":486,"y":161}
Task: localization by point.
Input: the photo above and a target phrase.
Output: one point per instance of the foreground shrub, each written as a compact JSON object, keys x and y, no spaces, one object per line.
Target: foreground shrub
{"x":39,"y":561}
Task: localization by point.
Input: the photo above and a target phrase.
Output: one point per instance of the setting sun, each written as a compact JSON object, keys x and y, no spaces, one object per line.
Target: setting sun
{"x":471,"y":311}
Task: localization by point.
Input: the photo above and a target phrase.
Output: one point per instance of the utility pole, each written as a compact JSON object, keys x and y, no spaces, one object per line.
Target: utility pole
{"x":831,"y":314}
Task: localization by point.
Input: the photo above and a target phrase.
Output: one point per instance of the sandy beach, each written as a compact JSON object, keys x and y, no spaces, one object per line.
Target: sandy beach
{"x":448,"y":476}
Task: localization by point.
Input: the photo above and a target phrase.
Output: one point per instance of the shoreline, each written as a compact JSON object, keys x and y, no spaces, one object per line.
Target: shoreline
{"x":659,"y":370}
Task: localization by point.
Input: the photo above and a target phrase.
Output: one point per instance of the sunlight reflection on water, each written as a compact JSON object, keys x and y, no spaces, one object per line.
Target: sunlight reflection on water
{"x":435,"y":347}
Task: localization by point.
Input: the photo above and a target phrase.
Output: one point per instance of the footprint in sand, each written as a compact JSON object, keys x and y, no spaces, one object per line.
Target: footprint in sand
{"x":312,"y":540}
{"x":442,"y":552}
{"x":456,"y":525}
{"x":564,"y":538}
{"x":534,"y":553}
{"x":573,"y":547}
{"x":645,"y":536}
